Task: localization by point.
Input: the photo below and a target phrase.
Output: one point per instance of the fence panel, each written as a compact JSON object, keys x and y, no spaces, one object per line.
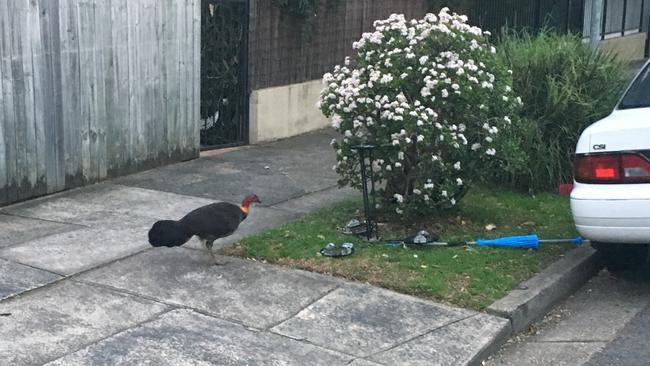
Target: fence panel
{"x":94,"y":88}
{"x":633,"y":15}
{"x":279,"y":56}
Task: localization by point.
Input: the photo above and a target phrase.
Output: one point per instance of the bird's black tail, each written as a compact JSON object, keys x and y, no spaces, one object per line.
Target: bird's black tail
{"x":168,"y":233}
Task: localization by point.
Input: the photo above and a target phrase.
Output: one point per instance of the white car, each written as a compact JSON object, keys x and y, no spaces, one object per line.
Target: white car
{"x":610,"y":200}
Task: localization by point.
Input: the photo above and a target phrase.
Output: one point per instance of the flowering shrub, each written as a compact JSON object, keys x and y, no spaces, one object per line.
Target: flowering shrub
{"x":433,"y":95}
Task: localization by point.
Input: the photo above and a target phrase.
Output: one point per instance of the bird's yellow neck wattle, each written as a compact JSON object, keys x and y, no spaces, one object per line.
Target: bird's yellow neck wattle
{"x":244,"y":209}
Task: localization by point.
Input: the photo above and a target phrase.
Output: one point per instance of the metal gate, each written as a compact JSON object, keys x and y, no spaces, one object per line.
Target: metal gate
{"x":224,"y":73}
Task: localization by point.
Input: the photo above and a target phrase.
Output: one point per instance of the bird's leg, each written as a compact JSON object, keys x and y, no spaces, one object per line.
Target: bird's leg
{"x":209,"y":244}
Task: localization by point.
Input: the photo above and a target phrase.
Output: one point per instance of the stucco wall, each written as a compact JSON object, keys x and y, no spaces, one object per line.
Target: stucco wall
{"x":629,"y":48}
{"x":285,"y":111}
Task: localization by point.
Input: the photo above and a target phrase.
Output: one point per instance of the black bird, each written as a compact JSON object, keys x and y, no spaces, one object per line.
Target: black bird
{"x":209,"y":223}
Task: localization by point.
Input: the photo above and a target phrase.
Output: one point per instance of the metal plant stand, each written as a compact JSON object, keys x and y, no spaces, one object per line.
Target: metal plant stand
{"x":369,"y":203}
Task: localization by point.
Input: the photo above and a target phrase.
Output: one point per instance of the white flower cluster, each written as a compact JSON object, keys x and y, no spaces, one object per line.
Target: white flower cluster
{"x":431,"y":93}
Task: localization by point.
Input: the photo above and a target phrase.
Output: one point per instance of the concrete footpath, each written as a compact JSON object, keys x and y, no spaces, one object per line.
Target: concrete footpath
{"x":80,"y":285}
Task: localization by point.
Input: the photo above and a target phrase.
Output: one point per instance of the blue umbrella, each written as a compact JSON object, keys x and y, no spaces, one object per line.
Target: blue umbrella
{"x":526,"y":241}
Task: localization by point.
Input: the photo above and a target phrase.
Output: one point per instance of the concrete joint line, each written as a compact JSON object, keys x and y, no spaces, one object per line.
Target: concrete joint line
{"x":172,"y":305}
{"x":125,"y":292}
{"x":8,"y":213}
{"x":576,"y":341}
{"x":43,"y":287}
{"x":234,"y":321}
{"x":317,"y":299}
{"x":77,"y":227}
{"x":365,"y":359}
{"x":152,"y":319}
{"x":420,"y":336}
{"x":33,"y":267}
{"x":72,"y":277}
{"x":305,"y":341}
{"x":298,"y":197}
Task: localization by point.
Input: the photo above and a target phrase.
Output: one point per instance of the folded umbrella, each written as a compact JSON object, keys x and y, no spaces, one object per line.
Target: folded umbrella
{"x":525,"y":241}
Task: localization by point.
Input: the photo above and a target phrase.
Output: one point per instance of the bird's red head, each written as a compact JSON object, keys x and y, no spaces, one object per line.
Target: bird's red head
{"x":251,"y":198}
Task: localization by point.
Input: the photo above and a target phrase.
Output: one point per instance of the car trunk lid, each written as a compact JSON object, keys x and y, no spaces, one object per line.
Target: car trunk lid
{"x":623,"y":130}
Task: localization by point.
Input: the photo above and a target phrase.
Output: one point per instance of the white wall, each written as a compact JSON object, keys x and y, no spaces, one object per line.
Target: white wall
{"x":285,"y":111}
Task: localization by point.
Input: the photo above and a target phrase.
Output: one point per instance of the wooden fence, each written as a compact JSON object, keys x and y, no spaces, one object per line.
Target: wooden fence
{"x":95,"y":88}
{"x":278,"y":55}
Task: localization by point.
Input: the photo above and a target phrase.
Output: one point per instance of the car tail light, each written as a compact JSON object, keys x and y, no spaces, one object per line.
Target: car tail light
{"x":612,"y":168}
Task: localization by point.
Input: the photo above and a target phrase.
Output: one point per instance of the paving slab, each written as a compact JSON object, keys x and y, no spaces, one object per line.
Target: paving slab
{"x":183,"y":337}
{"x":17,"y":278}
{"x":16,"y":230}
{"x":75,"y":251}
{"x":465,"y":342}
{"x":109,"y":205}
{"x":364,"y":320}
{"x":244,"y":291}
{"x":47,"y":324}
{"x":549,"y":353}
{"x":276,"y":172}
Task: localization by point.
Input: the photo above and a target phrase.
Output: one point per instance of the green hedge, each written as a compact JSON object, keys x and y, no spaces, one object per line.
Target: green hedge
{"x":564,"y":89}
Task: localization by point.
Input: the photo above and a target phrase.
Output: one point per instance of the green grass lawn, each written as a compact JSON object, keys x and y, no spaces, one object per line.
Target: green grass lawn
{"x":471,"y":277}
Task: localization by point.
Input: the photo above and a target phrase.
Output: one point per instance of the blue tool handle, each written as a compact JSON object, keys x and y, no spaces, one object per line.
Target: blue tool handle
{"x":577,"y":241}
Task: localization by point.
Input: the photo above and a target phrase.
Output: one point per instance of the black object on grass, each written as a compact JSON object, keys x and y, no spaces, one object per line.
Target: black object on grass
{"x":333,"y":250}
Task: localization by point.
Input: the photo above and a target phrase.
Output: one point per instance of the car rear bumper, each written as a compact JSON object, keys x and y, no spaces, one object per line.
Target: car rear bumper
{"x":612,"y":213}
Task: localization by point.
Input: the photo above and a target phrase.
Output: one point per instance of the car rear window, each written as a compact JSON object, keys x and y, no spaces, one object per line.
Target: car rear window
{"x":638,"y":96}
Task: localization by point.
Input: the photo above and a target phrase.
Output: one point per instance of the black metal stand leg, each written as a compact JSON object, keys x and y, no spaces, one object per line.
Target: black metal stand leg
{"x":368,"y":208}
{"x":373,"y":219}
{"x":364,"y":187}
